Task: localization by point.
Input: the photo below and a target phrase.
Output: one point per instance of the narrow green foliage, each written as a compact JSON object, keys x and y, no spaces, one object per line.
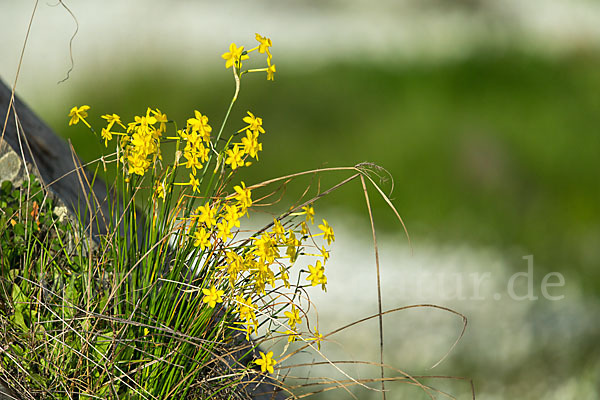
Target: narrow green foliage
{"x":162,"y":303}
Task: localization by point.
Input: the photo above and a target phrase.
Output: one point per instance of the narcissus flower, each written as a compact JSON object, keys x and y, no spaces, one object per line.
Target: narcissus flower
{"x":317,"y":274}
{"x":278,"y":230}
{"x":324,"y":253}
{"x":293,"y":317}
{"x":318,"y":338}
{"x":234,"y":55}
{"x":243,"y":196}
{"x":106,"y":135}
{"x":112,"y":119}
{"x":224,"y":230}
{"x":254,"y":123}
{"x":270,"y":70}
{"x":212,"y":296}
{"x":251,"y":145}
{"x":292,"y":336}
{"x":159,"y":190}
{"x":161,"y":118}
{"x":234,"y":157}
{"x":206,"y":214}
{"x":78,"y":113}
{"x":202,"y":238}
{"x":327,"y":232}
{"x":200,"y":125}
{"x":264,"y":45}
{"x":310,"y":213}
{"x":266,"y":362}
{"x":246,"y":308}
{"x":194,"y":183}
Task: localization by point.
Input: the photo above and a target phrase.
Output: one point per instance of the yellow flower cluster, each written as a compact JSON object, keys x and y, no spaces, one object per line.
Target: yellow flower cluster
{"x":236,"y":55}
{"x":141,"y":144}
{"x":249,"y":145}
{"x":243,"y":274}
{"x":261,"y":263}
{"x":197,"y":141}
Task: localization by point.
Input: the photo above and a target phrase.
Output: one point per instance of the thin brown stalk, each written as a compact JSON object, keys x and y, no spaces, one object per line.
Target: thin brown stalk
{"x":378,"y":272}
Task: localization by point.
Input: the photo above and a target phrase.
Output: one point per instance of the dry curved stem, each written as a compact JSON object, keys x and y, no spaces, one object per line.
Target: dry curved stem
{"x":19,"y":64}
{"x":84,"y":340}
{"x":464,"y":318}
{"x":404,"y":377}
{"x":308,"y":344}
{"x":361,"y":170}
{"x":362,"y":181}
{"x":72,"y":66}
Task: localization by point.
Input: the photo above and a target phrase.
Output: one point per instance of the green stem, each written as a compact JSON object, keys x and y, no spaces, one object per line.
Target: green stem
{"x":233,"y":100}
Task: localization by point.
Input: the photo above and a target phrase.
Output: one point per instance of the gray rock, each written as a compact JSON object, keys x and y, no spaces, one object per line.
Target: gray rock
{"x":47,"y":155}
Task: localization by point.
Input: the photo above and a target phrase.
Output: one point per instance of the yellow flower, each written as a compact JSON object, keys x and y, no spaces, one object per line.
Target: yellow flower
{"x":194,"y":183}
{"x":266,"y":362}
{"x":137,"y":163}
{"x":212,"y":296}
{"x":112,"y":119}
{"x":244,"y":196}
{"x":278,"y":230}
{"x":254,"y":123}
{"x":106,"y":135}
{"x":234,"y":157}
{"x":304,"y":229}
{"x":232,"y":216}
{"x":292,"y":246}
{"x":325,"y":254}
{"x":318,"y":338}
{"x":78,"y":113}
{"x":284,"y":276}
{"x":159,"y":190}
{"x":234,"y":265}
{"x":266,"y":248}
{"x":292,"y":336}
{"x":207,"y":215}
{"x":293,"y":317}
{"x":200,"y":124}
{"x":317,"y":275}
{"x":264,"y":45}
{"x":192,"y":161}
{"x":143,"y":122}
{"x":310,"y":213}
{"x":234,"y":56}
{"x":161,"y":118}
{"x":327,"y":232}
{"x":202,"y":238}
{"x":246,"y":309}
{"x":251,"y":145}
{"x":270,"y":70}
{"x":252,"y":327}
{"x":223,"y":230}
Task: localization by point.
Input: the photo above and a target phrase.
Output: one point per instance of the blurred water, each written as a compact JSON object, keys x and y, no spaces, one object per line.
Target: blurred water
{"x":517,"y":344}
{"x":119,"y":35}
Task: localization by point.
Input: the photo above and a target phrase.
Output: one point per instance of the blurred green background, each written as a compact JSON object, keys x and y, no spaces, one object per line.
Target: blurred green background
{"x":494,"y":145}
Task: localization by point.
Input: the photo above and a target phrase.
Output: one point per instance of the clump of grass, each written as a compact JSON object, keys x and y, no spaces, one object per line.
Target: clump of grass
{"x":164,"y":302}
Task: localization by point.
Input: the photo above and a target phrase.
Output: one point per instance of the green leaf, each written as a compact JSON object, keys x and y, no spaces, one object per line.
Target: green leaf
{"x":18,"y":319}
{"x":6,"y":187}
{"x":21,"y":304}
{"x":19,"y":229}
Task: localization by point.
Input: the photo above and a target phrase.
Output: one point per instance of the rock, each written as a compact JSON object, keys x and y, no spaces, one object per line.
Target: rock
{"x":34,"y":147}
